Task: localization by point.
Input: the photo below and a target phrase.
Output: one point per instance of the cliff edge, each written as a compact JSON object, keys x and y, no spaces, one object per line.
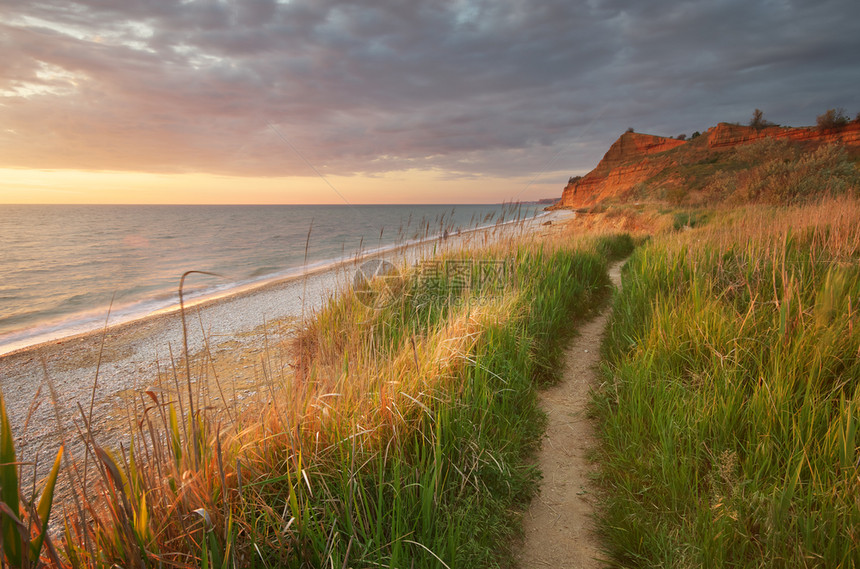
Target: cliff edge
{"x":643,"y":165}
{"x":621,"y":168}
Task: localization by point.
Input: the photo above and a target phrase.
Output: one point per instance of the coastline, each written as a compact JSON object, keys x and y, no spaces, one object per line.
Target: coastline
{"x":134,"y":352}
{"x":93,"y":321}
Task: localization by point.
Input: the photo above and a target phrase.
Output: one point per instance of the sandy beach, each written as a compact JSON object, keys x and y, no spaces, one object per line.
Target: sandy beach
{"x":233,"y":330}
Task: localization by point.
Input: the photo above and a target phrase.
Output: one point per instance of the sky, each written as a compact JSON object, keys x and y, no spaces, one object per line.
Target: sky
{"x":387,"y":101}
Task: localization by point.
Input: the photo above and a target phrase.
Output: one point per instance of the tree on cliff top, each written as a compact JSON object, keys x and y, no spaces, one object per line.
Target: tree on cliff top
{"x":758,"y":121}
{"x":832,"y":118}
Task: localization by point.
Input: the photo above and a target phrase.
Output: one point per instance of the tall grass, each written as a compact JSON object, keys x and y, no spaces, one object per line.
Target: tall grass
{"x":765,"y":171}
{"x":399,"y":438}
{"x":729,"y":416}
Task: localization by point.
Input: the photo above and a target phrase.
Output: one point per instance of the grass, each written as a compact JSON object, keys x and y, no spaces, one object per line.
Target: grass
{"x":729,"y":415}
{"x":400,"y":438}
{"x":23,"y":523}
{"x":766,"y":171}
{"x":688,"y":219}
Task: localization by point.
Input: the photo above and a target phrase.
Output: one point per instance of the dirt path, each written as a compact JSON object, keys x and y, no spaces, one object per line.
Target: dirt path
{"x":558,"y":527}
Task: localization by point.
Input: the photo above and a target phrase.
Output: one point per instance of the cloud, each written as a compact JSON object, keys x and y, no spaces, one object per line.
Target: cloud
{"x":467,"y":87}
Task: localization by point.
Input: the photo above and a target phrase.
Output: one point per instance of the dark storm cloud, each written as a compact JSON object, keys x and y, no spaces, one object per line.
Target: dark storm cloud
{"x":498,"y":87}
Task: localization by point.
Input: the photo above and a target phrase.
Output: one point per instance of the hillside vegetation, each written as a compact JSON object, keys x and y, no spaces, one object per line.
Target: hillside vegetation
{"x":768,"y":170}
{"x":729,"y":415}
{"x":727,"y":165}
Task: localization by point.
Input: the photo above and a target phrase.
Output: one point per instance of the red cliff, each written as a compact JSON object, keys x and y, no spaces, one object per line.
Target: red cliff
{"x":621,"y":168}
{"x":636,"y":158}
{"x":726,"y":135}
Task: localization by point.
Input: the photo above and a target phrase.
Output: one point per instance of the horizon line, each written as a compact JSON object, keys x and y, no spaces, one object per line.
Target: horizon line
{"x":278,"y":203}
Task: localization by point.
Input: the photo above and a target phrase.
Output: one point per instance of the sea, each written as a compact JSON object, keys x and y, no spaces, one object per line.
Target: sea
{"x":62,"y":267}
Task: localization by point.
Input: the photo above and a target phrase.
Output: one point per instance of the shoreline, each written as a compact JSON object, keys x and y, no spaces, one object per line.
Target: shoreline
{"x":60,"y":332}
{"x":134,"y":352}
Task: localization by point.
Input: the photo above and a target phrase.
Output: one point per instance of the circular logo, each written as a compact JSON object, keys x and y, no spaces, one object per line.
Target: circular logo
{"x":376,"y":283}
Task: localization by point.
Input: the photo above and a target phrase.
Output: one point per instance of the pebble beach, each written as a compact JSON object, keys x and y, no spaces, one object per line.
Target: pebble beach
{"x":105,"y":368}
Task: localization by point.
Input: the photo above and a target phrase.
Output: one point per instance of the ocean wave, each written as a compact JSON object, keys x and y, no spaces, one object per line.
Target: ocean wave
{"x":69,"y":283}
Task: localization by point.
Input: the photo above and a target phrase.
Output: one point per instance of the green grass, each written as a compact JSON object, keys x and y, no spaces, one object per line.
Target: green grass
{"x":729,"y":416}
{"x":688,"y":219}
{"x":442,"y":486}
{"x":401,"y":440}
{"x":614,"y":247}
{"x":23,"y":523}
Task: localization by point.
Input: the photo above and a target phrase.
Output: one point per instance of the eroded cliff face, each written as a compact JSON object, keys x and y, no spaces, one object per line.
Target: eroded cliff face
{"x":726,"y":135}
{"x":622,"y":167}
{"x":635,"y":158}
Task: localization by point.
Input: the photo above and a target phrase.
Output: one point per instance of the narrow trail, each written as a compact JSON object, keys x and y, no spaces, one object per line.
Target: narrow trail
{"x":558,"y":527}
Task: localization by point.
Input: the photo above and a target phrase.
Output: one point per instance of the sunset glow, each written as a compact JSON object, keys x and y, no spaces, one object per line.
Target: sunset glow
{"x":465,"y":102}
{"x":20,"y":186}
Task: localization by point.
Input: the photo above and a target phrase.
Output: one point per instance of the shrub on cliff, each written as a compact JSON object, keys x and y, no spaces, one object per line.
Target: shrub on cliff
{"x":758,"y":121}
{"x":832,"y":118}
